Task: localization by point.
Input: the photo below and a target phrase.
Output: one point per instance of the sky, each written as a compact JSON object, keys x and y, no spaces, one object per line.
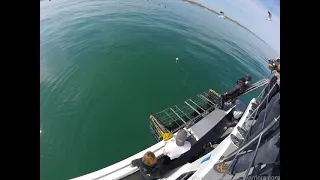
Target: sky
{"x":252,"y":14}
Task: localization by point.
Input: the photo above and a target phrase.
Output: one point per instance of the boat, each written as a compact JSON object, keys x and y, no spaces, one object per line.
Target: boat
{"x":221,"y":15}
{"x":205,"y":120}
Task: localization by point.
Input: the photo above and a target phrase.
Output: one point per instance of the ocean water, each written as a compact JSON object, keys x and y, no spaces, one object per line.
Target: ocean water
{"x":105,"y":66}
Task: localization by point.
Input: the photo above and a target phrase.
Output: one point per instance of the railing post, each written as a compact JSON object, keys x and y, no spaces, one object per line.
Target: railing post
{"x":253,"y":140}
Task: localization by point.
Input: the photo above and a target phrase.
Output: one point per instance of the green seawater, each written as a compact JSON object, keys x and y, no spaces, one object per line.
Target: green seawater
{"x":105,"y":66}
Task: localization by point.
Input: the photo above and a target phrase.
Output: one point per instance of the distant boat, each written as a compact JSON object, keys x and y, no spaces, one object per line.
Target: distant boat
{"x":269,"y":17}
{"x":221,"y":14}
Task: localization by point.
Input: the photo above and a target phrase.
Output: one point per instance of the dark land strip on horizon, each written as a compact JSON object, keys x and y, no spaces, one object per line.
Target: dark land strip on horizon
{"x":226,"y":17}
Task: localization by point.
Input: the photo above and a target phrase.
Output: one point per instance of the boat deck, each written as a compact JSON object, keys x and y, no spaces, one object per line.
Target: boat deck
{"x":135,"y":176}
{"x":212,"y":134}
{"x":208,"y":122}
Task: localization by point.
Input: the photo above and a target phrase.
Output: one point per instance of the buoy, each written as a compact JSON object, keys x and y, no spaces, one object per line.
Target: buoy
{"x":177,"y":59}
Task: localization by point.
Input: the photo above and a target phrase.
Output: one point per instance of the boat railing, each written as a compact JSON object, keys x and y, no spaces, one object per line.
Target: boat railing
{"x":248,"y":141}
{"x":254,"y":87}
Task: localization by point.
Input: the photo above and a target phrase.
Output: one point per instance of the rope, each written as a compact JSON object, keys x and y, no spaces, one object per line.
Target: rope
{"x":186,"y":77}
{"x":165,"y":135}
{"x":184,"y":81}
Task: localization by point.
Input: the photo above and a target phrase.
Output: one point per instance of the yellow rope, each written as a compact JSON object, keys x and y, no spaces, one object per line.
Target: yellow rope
{"x":165,"y":136}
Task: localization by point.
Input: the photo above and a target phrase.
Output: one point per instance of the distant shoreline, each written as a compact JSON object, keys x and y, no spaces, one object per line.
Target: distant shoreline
{"x":226,"y":17}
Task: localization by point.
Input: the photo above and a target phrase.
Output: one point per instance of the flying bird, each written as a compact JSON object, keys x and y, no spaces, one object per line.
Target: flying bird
{"x":269,"y":17}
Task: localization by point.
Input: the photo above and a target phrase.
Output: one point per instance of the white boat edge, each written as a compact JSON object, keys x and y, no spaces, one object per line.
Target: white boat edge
{"x":123,"y":168}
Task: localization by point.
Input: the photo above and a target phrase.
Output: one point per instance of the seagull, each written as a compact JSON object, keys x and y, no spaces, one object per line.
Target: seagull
{"x":269,"y":17}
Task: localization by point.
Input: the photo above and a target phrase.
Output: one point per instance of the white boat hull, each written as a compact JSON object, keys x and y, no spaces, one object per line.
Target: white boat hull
{"x":203,"y":165}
